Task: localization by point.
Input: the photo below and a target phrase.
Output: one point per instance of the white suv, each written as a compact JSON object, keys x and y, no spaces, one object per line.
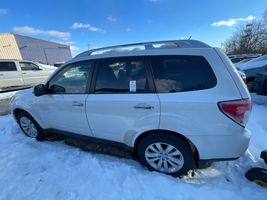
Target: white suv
{"x":21,"y":73}
{"x":174,"y":103}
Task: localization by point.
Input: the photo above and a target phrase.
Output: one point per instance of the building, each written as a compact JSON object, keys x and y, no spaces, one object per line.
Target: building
{"x":14,"y":46}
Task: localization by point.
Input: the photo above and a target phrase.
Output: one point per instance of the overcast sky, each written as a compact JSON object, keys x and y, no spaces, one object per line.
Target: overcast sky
{"x":87,"y":23}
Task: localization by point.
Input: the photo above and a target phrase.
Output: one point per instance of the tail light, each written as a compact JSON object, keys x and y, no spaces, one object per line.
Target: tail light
{"x":245,"y":80}
{"x":237,"y":110}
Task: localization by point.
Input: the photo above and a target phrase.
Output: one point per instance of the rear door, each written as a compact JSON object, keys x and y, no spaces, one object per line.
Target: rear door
{"x":10,"y":76}
{"x":32,"y":74}
{"x":122,"y":102}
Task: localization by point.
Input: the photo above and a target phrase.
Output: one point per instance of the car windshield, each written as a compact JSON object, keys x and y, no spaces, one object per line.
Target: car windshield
{"x":261,"y":58}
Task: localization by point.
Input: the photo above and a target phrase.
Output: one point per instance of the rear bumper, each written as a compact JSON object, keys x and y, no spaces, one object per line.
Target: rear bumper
{"x":222,"y":147}
{"x":241,"y":146}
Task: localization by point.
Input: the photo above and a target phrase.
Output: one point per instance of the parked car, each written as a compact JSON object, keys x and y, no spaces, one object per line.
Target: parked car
{"x":243,"y":62}
{"x":239,"y":57}
{"x":253,"y":67}
{"x":21,"y":73}
{"x":243,"y":76}
{"x":176,"y":104}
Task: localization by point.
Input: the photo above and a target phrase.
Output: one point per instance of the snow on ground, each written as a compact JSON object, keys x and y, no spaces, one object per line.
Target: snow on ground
{"x":7,"y":95}
{"x":54,"y":170}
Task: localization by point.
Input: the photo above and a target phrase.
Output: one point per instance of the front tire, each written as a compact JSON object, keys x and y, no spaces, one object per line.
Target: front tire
{"x":166,"y":153}
{"x":30,"y":127}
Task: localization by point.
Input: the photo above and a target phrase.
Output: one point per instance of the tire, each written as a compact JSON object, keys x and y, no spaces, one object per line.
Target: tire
{"x":176,"y":153}
{"x":257,"y":175}
{"x":30,"y":127}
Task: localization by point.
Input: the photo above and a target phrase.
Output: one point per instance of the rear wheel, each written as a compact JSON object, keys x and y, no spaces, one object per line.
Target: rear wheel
{"x":29,"y":126}
{"x":165,"y":153}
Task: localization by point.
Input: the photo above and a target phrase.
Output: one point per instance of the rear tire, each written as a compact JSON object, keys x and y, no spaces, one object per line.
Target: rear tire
{"x":166,"y":153}
{"x":30,"y":127}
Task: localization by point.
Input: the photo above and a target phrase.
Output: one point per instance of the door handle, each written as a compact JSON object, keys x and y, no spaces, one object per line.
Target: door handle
{"x":143,"y":106}
{"x":76,"y":103}
{"x":24,"y":72}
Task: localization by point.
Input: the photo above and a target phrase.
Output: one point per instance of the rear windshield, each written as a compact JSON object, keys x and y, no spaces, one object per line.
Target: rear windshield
{"x":182,"y":73}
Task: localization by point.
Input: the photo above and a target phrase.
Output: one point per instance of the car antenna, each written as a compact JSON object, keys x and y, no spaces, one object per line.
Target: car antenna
{"x":190,"y":37}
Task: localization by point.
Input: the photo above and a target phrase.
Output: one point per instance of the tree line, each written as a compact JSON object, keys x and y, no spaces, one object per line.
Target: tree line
{"x":249,"y":38}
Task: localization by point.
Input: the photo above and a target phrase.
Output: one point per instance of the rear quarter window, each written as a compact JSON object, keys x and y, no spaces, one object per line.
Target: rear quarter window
{"x":182,"y":73}
{"x":7,"y":66}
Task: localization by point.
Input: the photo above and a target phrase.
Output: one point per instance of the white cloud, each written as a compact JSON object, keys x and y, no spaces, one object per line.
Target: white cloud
{"x":65,"y":36}
{"x":111,"y":18}
{"x":73,"y":47}
{"x":68,"y":42}
{"x":233,"y":21}
{"x":3,"y":11}
{"x":77,"y":25}
{"x":80,"y":25}
{"x":27,"y":30}
{"x":128,"y":29}
{"x":74,"y":50}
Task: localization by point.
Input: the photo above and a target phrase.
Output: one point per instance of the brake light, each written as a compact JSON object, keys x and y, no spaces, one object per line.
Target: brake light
{"x":245,"y":80}
{"x":237,"y":110}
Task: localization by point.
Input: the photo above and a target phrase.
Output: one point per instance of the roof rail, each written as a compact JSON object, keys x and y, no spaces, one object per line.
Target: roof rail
{"x":165,"y":44}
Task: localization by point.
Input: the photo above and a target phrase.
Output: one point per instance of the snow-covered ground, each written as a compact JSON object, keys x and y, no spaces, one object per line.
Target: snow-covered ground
{"x":54,"y":170}
{"x":7,"y":95}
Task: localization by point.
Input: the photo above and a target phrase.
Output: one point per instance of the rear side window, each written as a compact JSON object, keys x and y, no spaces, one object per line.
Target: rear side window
{"x":7,"y":66}
{"x":122,"y":75}
{"x":182,"y":73}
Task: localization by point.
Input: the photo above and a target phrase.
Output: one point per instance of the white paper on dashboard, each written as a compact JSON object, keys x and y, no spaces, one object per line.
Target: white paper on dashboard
{"x":132,"y":86}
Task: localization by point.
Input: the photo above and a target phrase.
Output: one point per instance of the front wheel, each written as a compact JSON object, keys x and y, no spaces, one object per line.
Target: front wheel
{"x":29,"y":126}
{"x":166,"y":153}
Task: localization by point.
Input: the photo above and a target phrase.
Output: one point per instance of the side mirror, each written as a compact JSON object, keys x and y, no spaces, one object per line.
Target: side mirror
{"x":57,"y":89}
{"x":39,"y":90}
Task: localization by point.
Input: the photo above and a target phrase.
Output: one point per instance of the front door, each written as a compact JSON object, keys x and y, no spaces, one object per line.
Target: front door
{"x":64,"y":107}
{"x":122,"y":103}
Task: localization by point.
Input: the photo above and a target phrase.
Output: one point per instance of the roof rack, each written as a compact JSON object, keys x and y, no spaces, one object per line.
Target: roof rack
{"x":165,"y":44}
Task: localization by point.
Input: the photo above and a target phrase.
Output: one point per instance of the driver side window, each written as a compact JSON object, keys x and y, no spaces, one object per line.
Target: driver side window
{"x":72,"y":79}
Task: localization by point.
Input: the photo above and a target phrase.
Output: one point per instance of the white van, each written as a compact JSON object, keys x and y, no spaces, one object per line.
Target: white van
{"x":174,"y":103}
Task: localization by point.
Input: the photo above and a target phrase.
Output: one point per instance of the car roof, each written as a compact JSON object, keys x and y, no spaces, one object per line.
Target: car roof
{"x":144,"y":47}
{"x":1,"y":60}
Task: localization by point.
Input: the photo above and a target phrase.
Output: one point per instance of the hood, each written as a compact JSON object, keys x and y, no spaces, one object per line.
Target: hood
{"x":239,"y":65}
{"x":47,"y":67}
{"x":24,"y":92}
{"x":252,"y":65}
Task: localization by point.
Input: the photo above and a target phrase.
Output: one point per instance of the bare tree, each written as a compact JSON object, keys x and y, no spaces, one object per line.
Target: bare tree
{"x":249,"y":38}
